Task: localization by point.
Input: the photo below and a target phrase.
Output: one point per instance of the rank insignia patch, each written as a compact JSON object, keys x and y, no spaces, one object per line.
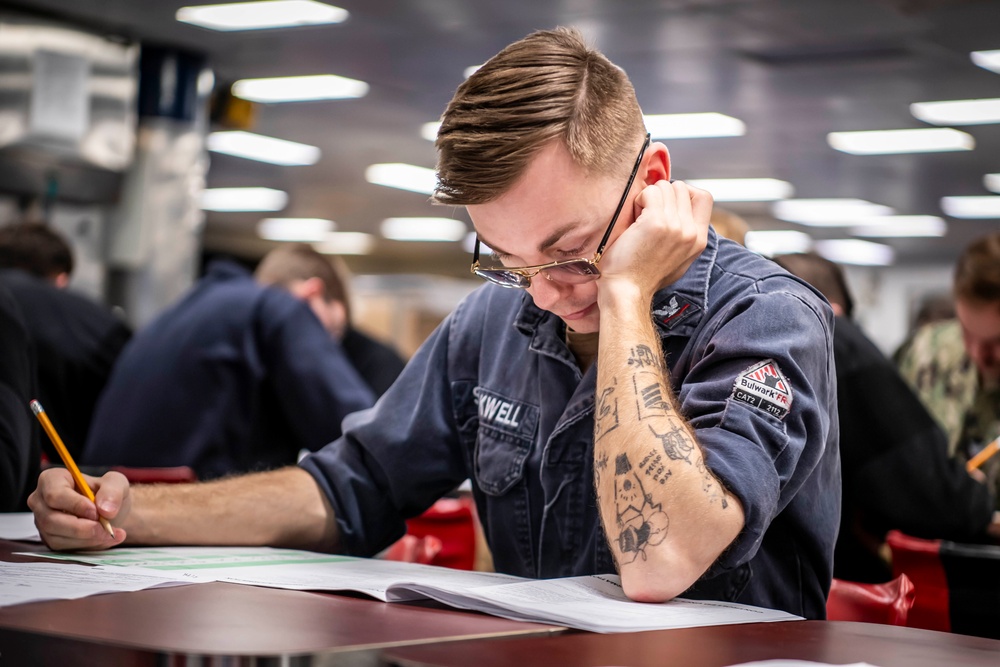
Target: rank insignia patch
{"x":764,"y":387}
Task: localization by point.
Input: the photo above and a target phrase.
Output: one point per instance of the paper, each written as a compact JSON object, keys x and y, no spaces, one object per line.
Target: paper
{"x":31,"y":582}
{"x":18,"y":526}
{"x":594,"y":603}
{"x":797,"y":663}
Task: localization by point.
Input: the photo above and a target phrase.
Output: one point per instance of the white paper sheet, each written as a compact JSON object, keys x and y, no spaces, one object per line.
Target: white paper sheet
{"x":31,"y":582}
{"x":18,"y":526}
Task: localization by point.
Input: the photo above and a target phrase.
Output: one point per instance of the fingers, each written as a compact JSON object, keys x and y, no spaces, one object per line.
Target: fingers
{"x":110,"y":492}
{"x":66,"y":519}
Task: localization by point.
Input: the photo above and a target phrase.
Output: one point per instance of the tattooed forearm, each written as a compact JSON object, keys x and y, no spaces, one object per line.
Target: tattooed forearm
{"x":649,"y":399}
{"x":677,"y":443}
{"x":606,"y":413}
{"x":641,"y":356}
{"x":653,"y":465}
{"x":640,"y":523}
{"x":710,"y":485}
{"x":600,"y":465}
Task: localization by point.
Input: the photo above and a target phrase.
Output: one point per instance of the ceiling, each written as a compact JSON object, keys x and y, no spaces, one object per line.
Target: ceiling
{"x":792,"y":70}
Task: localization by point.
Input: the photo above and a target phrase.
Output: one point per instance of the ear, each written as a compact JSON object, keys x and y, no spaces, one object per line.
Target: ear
{"x":307,"y":289}
{"x":656,"y":164}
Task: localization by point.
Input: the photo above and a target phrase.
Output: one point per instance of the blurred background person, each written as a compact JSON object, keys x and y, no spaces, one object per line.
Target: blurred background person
{"x":20,"y":452}
{"x":729,"y":225}
{"x":932,"y":308}
{"x":955,"y":365}
{"x":240,"y":375}
{"x":75,"y":338}
{"x":895,"y":466}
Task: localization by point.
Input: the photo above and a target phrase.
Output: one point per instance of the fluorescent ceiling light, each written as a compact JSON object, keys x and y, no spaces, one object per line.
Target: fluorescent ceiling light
{"x":971,"y":207}
{"x":294,"y":229}
{"x":770,"y":242}
{"x":958,"y":112}
{"x":898,"y":226}
{"x":692,"y":125}
{"x":299,"y":88}
{"x":885,"y":142}
{"x":243,"y":199}
{"x":346,"y":243}
{"x":470,"y":70}
{"x":827,"y":212}
{"x":258,"y":15}
{"x":429,"y":131}
{"x":744,"y":189}
{"x":987,"y":59}
{"x":992,"y":182}
{"x":403,"y":176}
{"x":855,"y":251}
{"x":423,"y":229}
{"x":263,"y":149}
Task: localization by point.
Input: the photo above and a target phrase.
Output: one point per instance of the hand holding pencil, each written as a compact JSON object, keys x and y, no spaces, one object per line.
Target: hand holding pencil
{"x":67,"y":460}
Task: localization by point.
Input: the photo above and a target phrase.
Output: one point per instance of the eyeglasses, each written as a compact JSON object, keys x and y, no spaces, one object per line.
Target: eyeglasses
{"x":569,"y":271}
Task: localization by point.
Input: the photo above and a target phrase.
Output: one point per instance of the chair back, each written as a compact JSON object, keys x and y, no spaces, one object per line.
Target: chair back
{"x":452,"y":521}
{"x":887,"y":603}
{"x":167,"y":475}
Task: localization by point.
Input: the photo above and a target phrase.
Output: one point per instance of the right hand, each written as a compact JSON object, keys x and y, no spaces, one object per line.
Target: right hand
{"x":67,"y":520}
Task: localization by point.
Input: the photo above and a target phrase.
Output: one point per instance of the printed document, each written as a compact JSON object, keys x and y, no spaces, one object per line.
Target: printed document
{"x":31,"y":582}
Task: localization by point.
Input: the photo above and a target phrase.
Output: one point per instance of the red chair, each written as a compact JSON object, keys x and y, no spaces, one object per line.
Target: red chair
{"x":413,"y":549}
{"x":958,"y":585}
{"x":887,"y":603}
{"x":452,"y":521}
{"x":168,"y":475}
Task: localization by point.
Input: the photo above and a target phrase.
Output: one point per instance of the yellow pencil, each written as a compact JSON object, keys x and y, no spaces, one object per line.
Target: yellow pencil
{"x":985,"y":453}
{"x":68,"y":461}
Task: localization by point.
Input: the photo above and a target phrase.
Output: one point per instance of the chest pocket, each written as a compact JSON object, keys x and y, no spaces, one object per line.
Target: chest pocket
{"x":506,"y":432}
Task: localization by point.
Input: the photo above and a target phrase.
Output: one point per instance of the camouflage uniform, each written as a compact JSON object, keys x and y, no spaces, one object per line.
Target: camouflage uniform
{"x":945,"y":378}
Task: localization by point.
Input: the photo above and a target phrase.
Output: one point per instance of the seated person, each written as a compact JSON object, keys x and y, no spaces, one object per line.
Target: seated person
{"x":76,"y":339}
{"x":626,"y":393}
{"x":895,"y":466}
{"x":239,"y":375}
{"x":20,"y":453}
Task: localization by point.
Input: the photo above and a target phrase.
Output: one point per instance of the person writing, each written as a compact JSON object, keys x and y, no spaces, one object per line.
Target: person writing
{"x":626,"y":393}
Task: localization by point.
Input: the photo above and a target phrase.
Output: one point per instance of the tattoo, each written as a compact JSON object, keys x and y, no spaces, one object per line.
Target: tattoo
{"x":652,"y":464}
{"x":606,"y":414}
{"x":641,"y":524}
{"x":710,"y":485}
{"x":600,"y":465}
{"x":642,"y":357}
{"x":676,"y":443}
{"x":649,"y":400}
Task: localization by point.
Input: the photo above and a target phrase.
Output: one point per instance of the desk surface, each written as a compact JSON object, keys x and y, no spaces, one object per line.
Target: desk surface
{"x":835,"y":643}
{"x":229,"y":619}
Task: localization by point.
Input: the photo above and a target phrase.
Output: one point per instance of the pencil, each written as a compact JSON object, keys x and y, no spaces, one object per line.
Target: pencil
{"x":984,"y":454}
{"x":67,"y":460}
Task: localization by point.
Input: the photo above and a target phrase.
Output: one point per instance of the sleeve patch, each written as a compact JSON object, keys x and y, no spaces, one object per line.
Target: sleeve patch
{"x":764,"y":387}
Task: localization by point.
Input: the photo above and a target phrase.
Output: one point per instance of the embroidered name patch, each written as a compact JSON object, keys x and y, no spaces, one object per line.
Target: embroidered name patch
{"x":504,"y":414}
{"x":763,"y":386}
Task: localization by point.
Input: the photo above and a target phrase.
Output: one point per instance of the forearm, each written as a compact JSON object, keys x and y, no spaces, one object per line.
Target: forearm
{"x":666,"y":516}
{"x":279,"y":508}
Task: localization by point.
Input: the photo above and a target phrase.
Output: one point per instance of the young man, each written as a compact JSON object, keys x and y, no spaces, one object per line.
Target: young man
{"x":698,"y":455}
{"x":955,"y":365}
{"x":241,"y":374}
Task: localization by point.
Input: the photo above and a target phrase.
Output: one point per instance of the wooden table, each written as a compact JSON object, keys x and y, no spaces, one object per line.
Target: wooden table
{"x":718,"y":646}
{"x":218,"y":620}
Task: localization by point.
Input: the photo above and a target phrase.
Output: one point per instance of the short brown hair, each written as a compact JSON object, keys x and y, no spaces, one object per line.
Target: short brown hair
{"x":549,"y":85}
{"x":36,"y":248}
{"x":289,"y":263}
{"x":977,"y":273}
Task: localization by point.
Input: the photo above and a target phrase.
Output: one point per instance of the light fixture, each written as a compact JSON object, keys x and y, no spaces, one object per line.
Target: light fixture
{"x":299,"y":88}
{"x":987,"y":59}
{"x":470,"y":70}
{"x":899,"y":226}
{"x":345,"y":243}
{"x":887,"y":142}
{"x":693,"y":125}
{"x":958,"y":112}
{"x":992,"y":182}
{"x":260,"y":15}
{"x":429,"y":131}
{"x":243,"y":199}
{"x":744,"y":189}
{"x":294,"y":229}
{"x":971,"y":207}
{"x":856,"y":251}
{"x":827,"y":212}
{"x":423,"y":229}
{"x":263,"y":149}
{"x":403,"y":176}
{"x":771,"y":242}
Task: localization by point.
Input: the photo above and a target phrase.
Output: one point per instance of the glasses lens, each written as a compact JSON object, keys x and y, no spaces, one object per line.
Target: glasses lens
{"x":503,"y":278}
{"x":574,"y":272}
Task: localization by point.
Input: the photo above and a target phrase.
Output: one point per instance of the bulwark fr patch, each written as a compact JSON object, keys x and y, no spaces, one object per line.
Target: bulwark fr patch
{"x":765,"y":387}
